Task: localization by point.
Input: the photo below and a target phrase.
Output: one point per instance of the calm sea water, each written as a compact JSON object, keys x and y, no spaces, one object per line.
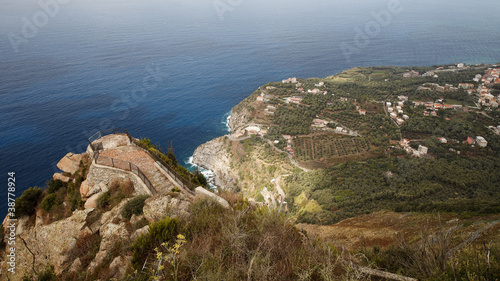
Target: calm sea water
{"x":171,"y":70}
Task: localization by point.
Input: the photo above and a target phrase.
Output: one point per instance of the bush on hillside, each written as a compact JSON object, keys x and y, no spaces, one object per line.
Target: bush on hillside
{"x":134,"y":206}
{"x":163,"y":231}
{"x":49,"y":202}
{"x":47,"y":274}
{"x":125,"y":186}
{"x":27,"y":203}
{"x":54,"y":185}
{"x":103,"y":200}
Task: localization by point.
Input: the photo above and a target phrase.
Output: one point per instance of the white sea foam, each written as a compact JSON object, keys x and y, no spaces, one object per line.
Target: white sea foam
{"x":226,"y":122}
{"x":208,"y":174}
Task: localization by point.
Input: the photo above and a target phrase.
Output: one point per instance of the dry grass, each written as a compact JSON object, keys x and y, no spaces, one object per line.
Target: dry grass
{"x":125,"y":185}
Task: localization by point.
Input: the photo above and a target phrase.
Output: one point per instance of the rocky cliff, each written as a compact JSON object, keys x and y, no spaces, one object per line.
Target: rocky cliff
{"x":213,"y":155}
{"x":239,"y":117}
{"x":93,"y":240}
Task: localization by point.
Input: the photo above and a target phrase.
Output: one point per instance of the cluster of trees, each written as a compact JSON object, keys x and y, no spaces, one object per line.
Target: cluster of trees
{"x":50,"y":200}
{"x":362,"y":84}
{"x":377,"y":129}
{"x":349,"y":189}
{"x":459,"y":95}
{"x":317,"y":103}
{"x":273,"y":134}
{"x":293,"y":121}
{"x":454,"y":129}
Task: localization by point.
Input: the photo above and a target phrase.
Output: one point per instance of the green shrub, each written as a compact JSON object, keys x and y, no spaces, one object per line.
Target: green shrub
{"x":134,"y":206}
{"x":54,"y":185}
{"x":26,"y":204}
{"x":103,"y":200}
{"x":49,"y":202}
{"x":47,"y":274}
{"x":199,"y":179}
{"x":74,"y":198}
{"x":159,"y":232}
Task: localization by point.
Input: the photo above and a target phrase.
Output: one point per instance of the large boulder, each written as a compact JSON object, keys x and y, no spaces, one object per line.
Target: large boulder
{"x":115,"y":213}
{"x":76,"y":266}
{"x":52,"y":243}
{"x":135,"y":219}
{"x":84,"y":189}
{"x":70,"y":163}
{"x":110,"y":234}
{"x":158,"y":207}
{"x":200,"y":191}
{"x":118,"y":267}
{"x":61,"y":177}
{"x":139,"y":232}
{"x":155,"y":208}
{"x":92,"y":201}
{"x":100,"y":187}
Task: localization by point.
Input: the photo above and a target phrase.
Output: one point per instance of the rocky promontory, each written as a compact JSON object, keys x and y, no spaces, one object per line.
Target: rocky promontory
{"x":92,"y":212}
{"x":213,"y":155}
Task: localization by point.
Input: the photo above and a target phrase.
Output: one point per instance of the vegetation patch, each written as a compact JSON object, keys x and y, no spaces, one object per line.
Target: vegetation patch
{"x":195,"y":179}
{"x":26,"y":204}
{"x":461,"y":185}
{"x":325,"y":147}
{"x":134,"y":206}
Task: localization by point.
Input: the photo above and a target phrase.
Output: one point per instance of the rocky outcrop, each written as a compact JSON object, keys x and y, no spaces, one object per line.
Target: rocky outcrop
{"x":61,"y":177}
{"x":110,"y":230}
{"x":239,"y":117}
{"x":116,"y":267}
{"x":156,"y":208}
{"x":89,"y":237}
{"x":84,"y":189}
{"x":51,"y":244}
{"x":70,"y":163}
{"x":92,"y":201}
{"x":213,"y":156}
{"x":200,"y":191}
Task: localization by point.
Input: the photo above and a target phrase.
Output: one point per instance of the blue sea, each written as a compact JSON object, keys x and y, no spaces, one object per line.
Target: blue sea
{"x":172,"y":70}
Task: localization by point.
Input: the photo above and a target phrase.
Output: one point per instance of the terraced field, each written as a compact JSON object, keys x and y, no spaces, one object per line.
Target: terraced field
{"x":328,"y":146}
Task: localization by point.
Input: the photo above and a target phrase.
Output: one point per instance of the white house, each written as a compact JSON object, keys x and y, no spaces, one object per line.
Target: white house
{"x":481,"y":141}
{"x":422,"y":149}
{"x":252,"y":129}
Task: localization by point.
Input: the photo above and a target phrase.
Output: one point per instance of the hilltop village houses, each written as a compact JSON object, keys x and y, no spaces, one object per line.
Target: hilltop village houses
{"x":396,"y":110}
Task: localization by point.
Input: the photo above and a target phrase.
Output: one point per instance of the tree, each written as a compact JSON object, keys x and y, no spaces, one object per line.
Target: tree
{"x":27,"y":203}
{"x":171,"y":155}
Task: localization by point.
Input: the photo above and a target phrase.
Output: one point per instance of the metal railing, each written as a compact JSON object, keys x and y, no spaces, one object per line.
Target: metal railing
{"x":116,"y":163}
{"x":126,"y":166}
{"x":171,"y":171}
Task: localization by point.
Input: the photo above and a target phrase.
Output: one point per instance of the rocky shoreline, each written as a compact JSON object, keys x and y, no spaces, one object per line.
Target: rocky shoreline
{"x":213,"y":156}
